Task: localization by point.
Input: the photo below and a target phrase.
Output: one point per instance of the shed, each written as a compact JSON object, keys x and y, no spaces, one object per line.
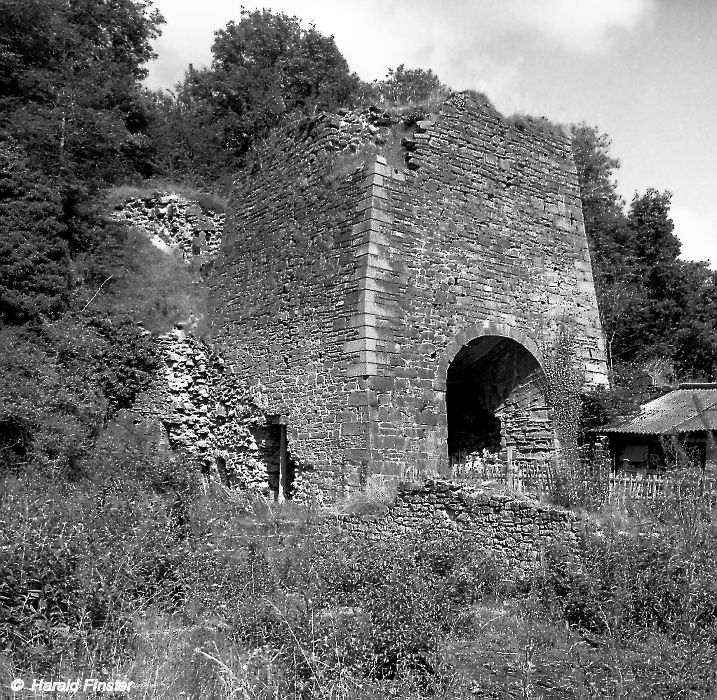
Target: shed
{"x":687,"y":414}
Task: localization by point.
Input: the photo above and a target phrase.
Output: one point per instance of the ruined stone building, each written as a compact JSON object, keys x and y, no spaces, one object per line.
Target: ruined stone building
{"x":388,"y":288}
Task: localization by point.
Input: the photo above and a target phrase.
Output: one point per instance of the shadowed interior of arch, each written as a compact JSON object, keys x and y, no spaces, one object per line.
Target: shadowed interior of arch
{"x":494,"y":400}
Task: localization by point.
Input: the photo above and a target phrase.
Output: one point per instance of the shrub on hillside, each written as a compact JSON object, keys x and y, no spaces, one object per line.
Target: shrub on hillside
{"x":34,"y":254}
{"x":60,"y":382}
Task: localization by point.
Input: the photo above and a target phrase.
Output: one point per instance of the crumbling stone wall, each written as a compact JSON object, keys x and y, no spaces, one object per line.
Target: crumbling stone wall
{"x":516,"y":528}
{"x":172,"y":222}
{"x":209,"y":414}
{"x":203,"y":408}
{"x":365,"y":250}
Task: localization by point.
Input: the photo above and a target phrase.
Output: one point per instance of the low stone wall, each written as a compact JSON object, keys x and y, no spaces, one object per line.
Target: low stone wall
{"x":516,"y":528}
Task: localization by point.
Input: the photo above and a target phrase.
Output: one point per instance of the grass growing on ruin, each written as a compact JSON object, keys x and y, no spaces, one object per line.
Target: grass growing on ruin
{"x":375,"y":497}
{"x":230,"y":596}
{"x":158,"y":288}
{"x":530,"y":123}
{"x":209,"y":201}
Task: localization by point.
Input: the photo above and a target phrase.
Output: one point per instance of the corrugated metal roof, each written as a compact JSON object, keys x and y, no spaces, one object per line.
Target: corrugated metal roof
{"x":683,"y":410}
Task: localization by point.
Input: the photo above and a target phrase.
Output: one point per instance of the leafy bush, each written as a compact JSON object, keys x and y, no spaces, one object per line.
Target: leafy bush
{"x":34,"y":254}
{"x":60,"y":382}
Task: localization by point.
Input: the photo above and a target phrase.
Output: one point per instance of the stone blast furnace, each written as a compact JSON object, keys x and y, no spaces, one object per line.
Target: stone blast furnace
{"x":391,"y":285}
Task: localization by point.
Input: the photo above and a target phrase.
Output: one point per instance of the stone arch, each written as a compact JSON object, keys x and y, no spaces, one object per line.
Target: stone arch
{"x":494,"y":400}
{"x":478,"y":330}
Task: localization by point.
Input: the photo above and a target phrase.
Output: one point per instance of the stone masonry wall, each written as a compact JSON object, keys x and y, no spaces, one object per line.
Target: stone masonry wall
{"x":210,"y":415}
{"x":282,"y":280}
{"x":484,"y":236}
{"x":365,"y":250}
{"x":514,"y":527}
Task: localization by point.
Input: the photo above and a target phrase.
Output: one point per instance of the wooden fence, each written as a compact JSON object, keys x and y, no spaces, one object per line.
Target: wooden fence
{"x":525,"y":474}
{"x":653,"y":485}
{"x":536,"y":475}
{"x":637,"y":485}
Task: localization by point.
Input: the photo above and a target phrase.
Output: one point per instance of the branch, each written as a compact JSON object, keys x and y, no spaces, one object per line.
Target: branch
{"x":96,"y":293}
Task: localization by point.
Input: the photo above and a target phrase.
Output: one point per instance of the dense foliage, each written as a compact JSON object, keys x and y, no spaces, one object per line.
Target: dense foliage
{"x":70,"y":89}
{"x":264,"y":67}
{"x":658,"y":311}
{"x":70,"y":123}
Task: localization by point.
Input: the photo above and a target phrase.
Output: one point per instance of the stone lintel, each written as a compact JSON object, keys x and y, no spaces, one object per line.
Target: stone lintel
{"x":374,"y":249}
{"x":387,"y":287}
{"x":372,"y":320}
{"x":369,"y":260}
{"x":376,"y":237}
{"x":384,"y":333}
{"x":366,"y":224}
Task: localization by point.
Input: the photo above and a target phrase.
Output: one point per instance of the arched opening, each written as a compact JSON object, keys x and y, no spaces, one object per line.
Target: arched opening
{"x":495,"y":403}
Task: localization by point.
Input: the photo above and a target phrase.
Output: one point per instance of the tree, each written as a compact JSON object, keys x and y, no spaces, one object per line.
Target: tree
{"x":34,"y":269}
{"x":70,"y":79}
{"x":70,"y":122}
{"x":654,"y":306}
{"x":263,"y":67}
{"x":404,"y":86}
{"x":656,"y":264}
{"x":605,"y":221}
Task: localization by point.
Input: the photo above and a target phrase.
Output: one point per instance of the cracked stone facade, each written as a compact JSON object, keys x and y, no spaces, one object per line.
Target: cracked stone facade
{"x":203,"y":408}
{"x":209,"y":414}
{"x":173,"y":222}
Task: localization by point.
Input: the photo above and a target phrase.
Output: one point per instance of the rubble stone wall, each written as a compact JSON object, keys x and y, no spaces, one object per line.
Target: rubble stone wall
{"x":210,"y":415}
{"x":202,"y":407}
{"x":172,"y":222}
{"x":366,"y":250}
{"x":517,"y":529}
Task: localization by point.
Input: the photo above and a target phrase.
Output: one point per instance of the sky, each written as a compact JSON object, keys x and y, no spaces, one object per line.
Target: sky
{"x":642,"y":71}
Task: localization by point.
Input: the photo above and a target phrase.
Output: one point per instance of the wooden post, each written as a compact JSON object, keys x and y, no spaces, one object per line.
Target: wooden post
{"x":513,"y":480}
{"x":283,"y":480}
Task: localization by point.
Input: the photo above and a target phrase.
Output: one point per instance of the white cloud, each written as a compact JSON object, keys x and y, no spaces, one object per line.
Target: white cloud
{"x":583,"y":25}
{"x":698,"y":233}
{"x":457,"y":38}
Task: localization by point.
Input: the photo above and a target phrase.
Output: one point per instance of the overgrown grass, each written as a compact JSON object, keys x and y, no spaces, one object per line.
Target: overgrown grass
{"x":236,"y":597}
{"x":376,"y":496}
{"x":530,"y":123}
{"x":157,"y":288}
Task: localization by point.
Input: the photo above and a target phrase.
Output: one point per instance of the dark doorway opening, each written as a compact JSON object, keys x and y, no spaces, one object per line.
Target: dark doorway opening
{"x":280,"y":467}
{"x":494,"y":402}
